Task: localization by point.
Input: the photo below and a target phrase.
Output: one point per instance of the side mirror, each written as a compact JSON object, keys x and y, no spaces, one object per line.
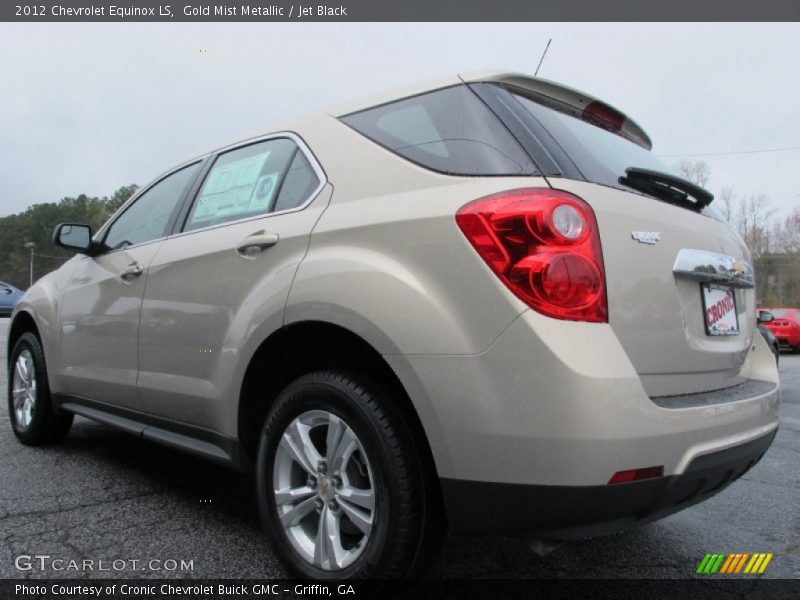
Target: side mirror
{"x":73,"y":236}
{"x":765,"y":317}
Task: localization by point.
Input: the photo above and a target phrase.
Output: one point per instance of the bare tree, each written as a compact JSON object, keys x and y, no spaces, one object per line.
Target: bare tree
{"x":754,"y":215}
{"x":786,"y":234}
{"x":696,"y":171}
{"x":726,"y":204}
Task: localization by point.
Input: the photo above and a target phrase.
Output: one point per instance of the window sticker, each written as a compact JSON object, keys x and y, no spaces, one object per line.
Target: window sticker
{"x":229,"y":188}
{"x":263,"y":192}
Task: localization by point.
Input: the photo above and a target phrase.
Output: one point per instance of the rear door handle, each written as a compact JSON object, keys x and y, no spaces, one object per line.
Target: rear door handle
{"x":256,"y":242}
{"x":131,"y":272}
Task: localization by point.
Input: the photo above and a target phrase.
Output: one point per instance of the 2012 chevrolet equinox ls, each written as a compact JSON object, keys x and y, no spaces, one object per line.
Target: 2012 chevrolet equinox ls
{"x":481,"y":305}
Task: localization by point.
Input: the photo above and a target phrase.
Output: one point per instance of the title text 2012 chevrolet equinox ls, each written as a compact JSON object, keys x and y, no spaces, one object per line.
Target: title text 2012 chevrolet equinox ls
{"x":481,"y":305}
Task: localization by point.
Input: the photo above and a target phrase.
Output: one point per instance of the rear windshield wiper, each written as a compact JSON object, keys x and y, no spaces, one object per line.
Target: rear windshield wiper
{"x":667,"y":187}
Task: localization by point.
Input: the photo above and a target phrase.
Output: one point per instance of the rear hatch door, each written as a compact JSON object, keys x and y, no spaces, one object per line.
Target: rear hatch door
{"x":676,"y":296}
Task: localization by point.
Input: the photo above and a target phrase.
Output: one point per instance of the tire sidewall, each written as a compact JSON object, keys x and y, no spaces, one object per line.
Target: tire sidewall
{"x":307,"y":394}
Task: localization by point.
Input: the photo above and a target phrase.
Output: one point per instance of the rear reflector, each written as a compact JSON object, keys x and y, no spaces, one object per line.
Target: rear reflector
{"x":636,"y":474}
{"x":544,"y":245}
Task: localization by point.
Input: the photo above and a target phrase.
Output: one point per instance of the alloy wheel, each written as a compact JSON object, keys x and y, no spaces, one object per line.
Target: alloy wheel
{"x":324,"y":490}
{"x":23,"y":389}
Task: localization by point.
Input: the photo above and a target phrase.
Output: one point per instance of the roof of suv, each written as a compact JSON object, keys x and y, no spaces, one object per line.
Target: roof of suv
{"x":557,"y":95}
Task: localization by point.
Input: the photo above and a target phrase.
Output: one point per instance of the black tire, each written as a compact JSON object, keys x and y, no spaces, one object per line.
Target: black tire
{"x":402,"y":538}
{"x":45,"y":426}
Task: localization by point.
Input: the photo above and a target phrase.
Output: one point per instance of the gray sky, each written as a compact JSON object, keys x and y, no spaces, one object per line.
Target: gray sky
{"x":88,"y":108}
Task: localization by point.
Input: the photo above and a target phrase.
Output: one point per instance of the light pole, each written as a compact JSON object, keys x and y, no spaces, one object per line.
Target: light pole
{"x":31,"y":246}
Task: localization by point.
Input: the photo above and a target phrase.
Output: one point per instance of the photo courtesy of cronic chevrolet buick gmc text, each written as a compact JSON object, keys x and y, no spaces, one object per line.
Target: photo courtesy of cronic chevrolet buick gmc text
{"x":478,"y":306}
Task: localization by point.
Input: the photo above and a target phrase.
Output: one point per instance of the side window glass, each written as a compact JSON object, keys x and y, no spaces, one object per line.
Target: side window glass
{"x":298,"y":185}
{"x":148,"y":218}
{"x":248,"y":182}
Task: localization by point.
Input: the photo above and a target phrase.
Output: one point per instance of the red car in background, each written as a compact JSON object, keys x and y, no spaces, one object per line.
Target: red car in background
{"x":785,"y":326}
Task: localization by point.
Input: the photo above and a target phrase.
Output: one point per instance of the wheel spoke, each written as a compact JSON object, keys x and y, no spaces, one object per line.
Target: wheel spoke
{"x":359,"y":518}
{"x":297,"y":443}
{"x":21,"y":370}
{"x":347,"y":444}
{"x":336,"y":429}
{"x":328,"y":545}
{"x":18,"y":395}
{"x":298,"y":513}
{"x":363,"y":498}
{"x":29,"y":370}
{"x":293,"y":495}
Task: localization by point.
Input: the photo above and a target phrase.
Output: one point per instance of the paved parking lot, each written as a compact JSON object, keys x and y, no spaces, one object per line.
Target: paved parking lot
{"x":104,"y":495}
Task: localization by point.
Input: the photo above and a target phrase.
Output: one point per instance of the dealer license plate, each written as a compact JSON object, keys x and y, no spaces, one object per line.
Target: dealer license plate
{"x":719,"y":310}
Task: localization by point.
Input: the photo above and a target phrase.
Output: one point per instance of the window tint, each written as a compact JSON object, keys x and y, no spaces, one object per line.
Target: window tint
{"x":149,"y":216}
{"x":449,"y":130}
{"x":251,"y":181}
{"x":298,"y":185}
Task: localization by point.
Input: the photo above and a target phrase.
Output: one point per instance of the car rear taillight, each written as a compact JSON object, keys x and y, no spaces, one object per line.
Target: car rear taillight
{"x":544,"y":245}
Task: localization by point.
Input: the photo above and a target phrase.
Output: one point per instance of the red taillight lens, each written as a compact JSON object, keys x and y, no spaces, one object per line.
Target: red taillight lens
{"x":545,"y":246}
{"x":636,"y":474}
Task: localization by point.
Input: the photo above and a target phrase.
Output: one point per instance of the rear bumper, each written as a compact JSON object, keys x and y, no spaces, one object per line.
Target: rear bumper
{"x":574,"y":512}
{"x":558,"y":403}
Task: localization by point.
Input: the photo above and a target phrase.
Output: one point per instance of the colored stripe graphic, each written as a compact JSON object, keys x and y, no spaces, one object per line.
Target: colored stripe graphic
{"x":703,"y":563}
{"x":717,"y":564}
{"x":728,"y":564}
{"x":765,"y":563}
{"x":751,"y":564}
{"x":741,"y":562}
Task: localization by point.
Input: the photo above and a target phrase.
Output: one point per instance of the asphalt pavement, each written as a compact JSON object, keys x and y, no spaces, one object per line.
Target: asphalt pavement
{"x":105,"y":496}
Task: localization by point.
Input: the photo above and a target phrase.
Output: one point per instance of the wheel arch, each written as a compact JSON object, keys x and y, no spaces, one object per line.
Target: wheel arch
{"x":307,"y":346}
{"x":22,"y":322}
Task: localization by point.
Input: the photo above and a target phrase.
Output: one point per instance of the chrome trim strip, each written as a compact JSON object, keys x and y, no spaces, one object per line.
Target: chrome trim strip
{"x":714,"y":267}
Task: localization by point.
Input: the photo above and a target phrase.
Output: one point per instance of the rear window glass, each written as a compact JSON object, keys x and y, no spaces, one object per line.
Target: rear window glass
{"x":782,"y":313}
{"x":450,"y":131}
{"x":600,"y":155}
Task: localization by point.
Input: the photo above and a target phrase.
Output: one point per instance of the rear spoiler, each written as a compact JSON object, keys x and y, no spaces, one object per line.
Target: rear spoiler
{"x":569,"y":101}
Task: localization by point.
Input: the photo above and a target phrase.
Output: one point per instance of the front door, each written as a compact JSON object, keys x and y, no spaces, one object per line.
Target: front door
{"x":101,"y":305}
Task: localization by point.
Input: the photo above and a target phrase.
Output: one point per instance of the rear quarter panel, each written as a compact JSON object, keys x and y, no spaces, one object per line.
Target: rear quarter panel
{"x":387,"y":260}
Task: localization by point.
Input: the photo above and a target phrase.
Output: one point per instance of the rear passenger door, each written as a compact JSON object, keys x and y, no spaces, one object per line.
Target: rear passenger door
{"x":225,"y":274}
